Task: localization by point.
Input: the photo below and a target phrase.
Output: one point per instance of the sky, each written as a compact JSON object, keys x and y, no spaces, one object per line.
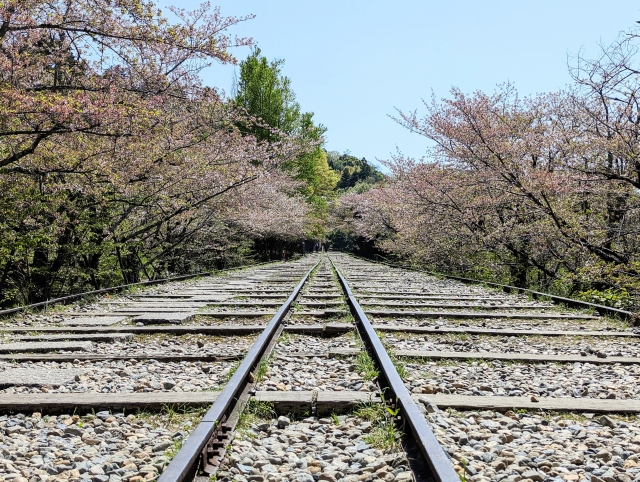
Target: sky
{"x":354,"y":62}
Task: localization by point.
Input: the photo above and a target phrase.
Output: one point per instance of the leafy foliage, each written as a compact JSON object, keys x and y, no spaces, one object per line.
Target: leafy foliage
{"x":266,"y":94}
{"x":539,"y":191}
{"x":384,"y":435}
{"x":353,"y":171}
{"x":115,"y":161}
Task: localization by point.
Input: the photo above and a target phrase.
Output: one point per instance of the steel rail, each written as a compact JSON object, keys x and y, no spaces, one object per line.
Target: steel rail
{"x":112,"y":289}
{"x":434,"y":455}
{"x":603,"y":310}
{"x":185,"y":463}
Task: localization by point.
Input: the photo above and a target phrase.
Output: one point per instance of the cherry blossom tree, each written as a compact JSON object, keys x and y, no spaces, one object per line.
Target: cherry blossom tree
{"x":115,"y":161}
{"x":98,"y":68}
{"x":505,"y":193}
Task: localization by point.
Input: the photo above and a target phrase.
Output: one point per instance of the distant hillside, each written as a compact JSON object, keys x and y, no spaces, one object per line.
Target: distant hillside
{"x":353,"y":171}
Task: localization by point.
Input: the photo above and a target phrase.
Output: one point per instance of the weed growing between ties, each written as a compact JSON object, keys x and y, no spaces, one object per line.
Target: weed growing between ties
{"x":463,"y":472}
{"x":253,"y":412}
{"x":174,"y":416}
{"x":258,"y":373}
{"x":172,"y":451}
{"x":286,"y":338}
{"x":384,"y":435}
{"x":365,"y":366}
{"x":262,"y":368}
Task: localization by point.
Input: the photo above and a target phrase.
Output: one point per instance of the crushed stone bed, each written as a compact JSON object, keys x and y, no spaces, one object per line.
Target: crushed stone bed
{"x":294,"y":343}
{"x":539,"y":447}
{"x":525,"y":379}
{"x":552,"y":345}
{"x":309,"y":450}
{"x":185,"y":344}
{"x":101,"y":447}
{"x":124,"y":376}
{"x":501,"y":323}
{"x":167,"y":344}
{"x":288,"y":373}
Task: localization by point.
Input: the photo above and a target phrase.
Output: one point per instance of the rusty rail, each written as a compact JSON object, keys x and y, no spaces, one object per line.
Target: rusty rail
{"x":435,"y":459}
{"x":212,"y":433}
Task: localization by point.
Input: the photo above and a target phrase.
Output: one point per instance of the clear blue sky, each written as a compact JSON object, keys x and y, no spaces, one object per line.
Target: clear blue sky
{"x":351,"y":62}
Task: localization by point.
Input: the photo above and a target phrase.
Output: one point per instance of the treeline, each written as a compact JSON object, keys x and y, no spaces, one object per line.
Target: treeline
{"x":354,"y":173}
{"x":267,"y":96}
{"x":117,"y":163}
{"x":540,"y":191}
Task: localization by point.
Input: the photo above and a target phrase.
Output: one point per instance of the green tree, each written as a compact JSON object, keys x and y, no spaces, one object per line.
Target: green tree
{"x":266,"y":94}
{"x":353,"y":171}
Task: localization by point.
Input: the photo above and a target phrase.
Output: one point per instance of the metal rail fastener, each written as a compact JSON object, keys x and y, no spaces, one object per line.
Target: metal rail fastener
{"x":185,"y":463}
{"x":433,"y":453}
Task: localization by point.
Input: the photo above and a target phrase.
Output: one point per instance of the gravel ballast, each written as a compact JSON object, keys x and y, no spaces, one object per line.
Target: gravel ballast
{"x":101,"y":447}
{"x":489,"y":446}
{"x":310,"y":450}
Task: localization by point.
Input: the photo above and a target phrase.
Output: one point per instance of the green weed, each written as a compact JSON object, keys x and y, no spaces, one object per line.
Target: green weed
{"x":384,"y":434}
{"x":286,"y":338}
{"x":463,"y":473}
{"x":371,"y":412}
{"x":231,"y":371}
{"x":263,"y":368}
{"x":384,"y":437}
{"x":365,"y":366}
{"x":252,"y":413}
{"x":172,"y":451}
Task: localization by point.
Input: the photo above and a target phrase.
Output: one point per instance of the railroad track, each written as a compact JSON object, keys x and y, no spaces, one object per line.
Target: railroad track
{"x":327,"y":368}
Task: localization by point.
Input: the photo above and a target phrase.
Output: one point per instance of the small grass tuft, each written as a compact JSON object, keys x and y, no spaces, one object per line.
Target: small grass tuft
{"x":365,"y":366}
{"x":463,"y":473}
{"x":252,"y":413}
{"x":371,"y":412}
{"x":230,"y":373}
{"x":172,"y":451}
{"x":384,"y":434}
{"x":263,"y":368}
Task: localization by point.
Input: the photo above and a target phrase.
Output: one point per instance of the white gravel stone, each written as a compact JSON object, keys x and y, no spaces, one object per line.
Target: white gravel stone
{"x":128,"y":376}
{"x":517,"y":447}
{"x":520,"y":379}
